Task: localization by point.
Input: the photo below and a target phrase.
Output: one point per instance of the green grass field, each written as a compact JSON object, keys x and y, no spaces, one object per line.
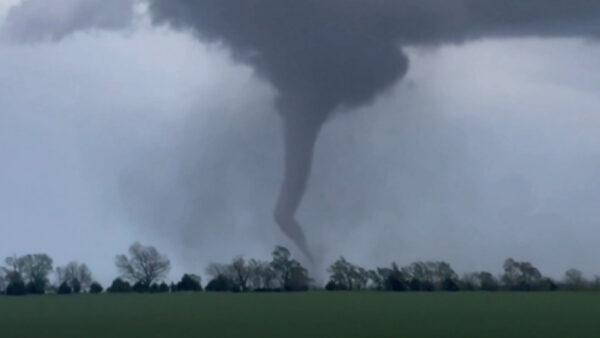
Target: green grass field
{"x":313,"y":314}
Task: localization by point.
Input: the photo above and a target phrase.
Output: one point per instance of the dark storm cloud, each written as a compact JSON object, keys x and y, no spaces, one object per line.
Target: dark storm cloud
{"x":323,"y":55}
{"x":34,"y":20}
{"x":345,"y":52}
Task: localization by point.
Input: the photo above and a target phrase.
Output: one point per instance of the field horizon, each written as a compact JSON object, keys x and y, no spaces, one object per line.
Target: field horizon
{"x":311,"y":314}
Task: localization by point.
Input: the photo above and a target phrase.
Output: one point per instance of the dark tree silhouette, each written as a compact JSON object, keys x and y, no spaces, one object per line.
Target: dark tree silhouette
{"x":450,"y":284}
{"x":140,"y":287}
{"x":240,"y":273}
{"x":262,"y":275}
{"x":64,"y":289}
{"x":488,"y":282}
{"x":220,"y":283}
{"x":391,"y":279}
{"x":521,"y":276}
{"x":347,"y":276}
{"x":189,"y":283}
{"x":574,"y":280}
{"x":119,"y":286}
{"x":333,"y":286}
{"x":144,"y":265}
{"x":96,"y":288}
{"x":74,"y":273}
{"x":32,"y":270}
{"x":16,"y":287}
{"x":3,"y":282}
{"x":292,"y":276}
{"x":159,"y":288}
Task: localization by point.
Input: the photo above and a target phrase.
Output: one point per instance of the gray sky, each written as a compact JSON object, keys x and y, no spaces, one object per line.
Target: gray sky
{"x":483,"y":151}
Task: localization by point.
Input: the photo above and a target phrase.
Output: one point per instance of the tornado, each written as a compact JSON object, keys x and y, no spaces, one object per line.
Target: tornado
{"x":300,"y":132}
{"x":328,"y":57}
{"x":317,"y":71}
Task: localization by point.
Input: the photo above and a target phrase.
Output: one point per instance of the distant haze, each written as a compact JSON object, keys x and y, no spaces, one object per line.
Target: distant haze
{"x":125,"y":130}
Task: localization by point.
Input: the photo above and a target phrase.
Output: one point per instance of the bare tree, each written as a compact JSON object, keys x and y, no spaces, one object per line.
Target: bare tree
{"x":240,"y":272}
{"x":12,"y":270}
{"x":574,"y":280}
{"x":13,"y":264}
{"x":76,"y":275}
{"x":595,"y":284}
{"x":215,"y":270}
{"x":3,"y":282}
{"x":348,"y":276}
{"x":521,"y":276}
{"x":33,"y":269}
{"x":488,"y":281}
{"x":291,"y":274}
{"x":262,"y":275}
{"x":144,"y":265}
{"x":470,"y":281}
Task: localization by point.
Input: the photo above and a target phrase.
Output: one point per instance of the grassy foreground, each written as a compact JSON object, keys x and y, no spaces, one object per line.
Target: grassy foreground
{"x":313,"y":314}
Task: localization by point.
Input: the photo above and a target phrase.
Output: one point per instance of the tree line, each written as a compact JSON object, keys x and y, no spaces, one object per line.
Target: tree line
{"x":144,"y":269}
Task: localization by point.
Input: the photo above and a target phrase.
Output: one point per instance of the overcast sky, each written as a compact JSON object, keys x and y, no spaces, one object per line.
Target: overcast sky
{"x":484,"y":151}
